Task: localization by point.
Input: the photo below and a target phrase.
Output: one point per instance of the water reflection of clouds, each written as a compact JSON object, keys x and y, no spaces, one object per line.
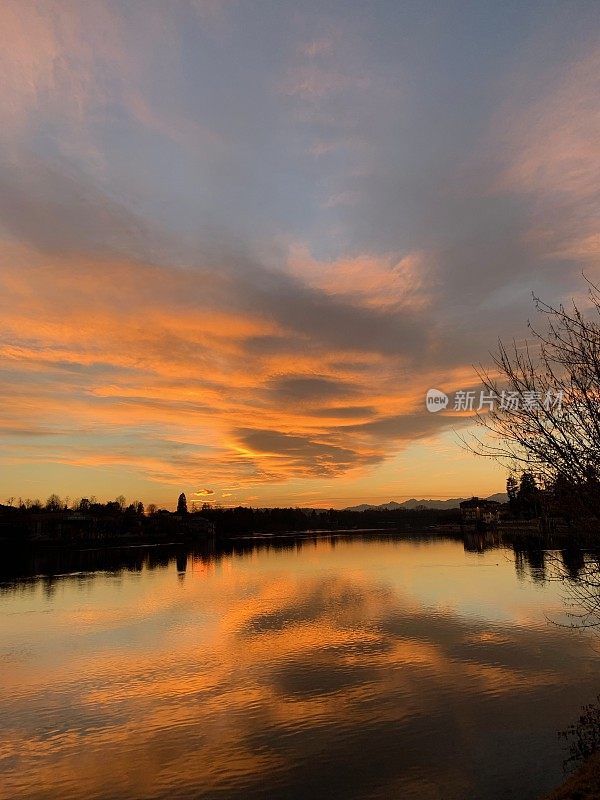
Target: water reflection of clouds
{"x":268,"y":672}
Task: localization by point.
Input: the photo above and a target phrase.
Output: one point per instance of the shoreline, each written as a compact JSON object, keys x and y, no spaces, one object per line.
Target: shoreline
{"x":583,"y":784}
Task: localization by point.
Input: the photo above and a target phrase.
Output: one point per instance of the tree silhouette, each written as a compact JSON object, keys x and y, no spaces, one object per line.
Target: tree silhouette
{"x":528,"y":496}
{"x":53,"y":503}
{"x":512,"y":489}
{"x":182,"y":504}
{"x":554,"y":432}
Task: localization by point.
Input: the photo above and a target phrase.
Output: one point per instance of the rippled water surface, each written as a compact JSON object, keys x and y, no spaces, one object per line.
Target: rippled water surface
{"x":334,"y":667}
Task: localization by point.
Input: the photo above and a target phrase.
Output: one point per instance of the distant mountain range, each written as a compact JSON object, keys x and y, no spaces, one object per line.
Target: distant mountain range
{"x":411,"y":504}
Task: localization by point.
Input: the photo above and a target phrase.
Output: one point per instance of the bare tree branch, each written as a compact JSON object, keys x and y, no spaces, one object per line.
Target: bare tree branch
{"x":559,"y":442}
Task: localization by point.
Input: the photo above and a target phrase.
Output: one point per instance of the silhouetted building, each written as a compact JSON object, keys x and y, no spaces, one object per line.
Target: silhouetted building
{"x":479,"y":512}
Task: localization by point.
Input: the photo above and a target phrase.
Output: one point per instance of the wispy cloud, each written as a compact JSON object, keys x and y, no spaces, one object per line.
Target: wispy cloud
{"x":242,"y":260}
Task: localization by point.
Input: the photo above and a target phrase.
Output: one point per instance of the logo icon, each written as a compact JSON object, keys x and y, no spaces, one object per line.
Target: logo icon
{"x":435,"y":400}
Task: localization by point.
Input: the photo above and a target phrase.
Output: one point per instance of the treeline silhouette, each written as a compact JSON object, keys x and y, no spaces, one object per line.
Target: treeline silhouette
{"x":57,"y":520}
{"x":244,"y":520}
{"x":558,"y":499}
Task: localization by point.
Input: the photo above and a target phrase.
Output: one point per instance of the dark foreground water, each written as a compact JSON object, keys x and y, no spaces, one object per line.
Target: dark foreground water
{"x":330,"y":667}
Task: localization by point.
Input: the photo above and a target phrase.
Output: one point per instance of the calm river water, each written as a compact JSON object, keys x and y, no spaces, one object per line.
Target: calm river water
{"x":326,"y":667}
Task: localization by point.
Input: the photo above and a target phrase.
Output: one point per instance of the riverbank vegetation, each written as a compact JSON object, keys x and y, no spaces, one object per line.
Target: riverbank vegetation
{"x":29,"y":522}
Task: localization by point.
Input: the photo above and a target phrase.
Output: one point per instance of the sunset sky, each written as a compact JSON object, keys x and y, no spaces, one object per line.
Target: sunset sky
{"x":240,"y":240}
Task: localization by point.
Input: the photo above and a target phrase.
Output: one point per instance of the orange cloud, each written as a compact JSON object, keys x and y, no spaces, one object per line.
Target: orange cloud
{"x":170,"y":360}
{"x":393,"y":281}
